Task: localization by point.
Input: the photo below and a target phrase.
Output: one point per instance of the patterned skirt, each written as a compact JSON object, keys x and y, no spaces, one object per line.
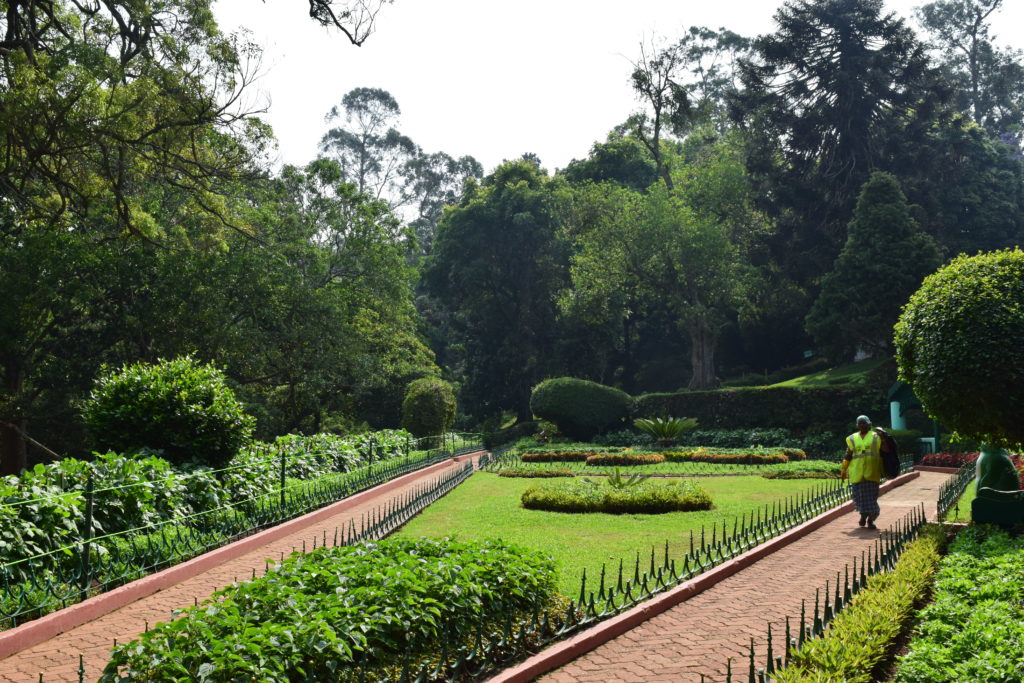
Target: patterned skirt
{"x":865,"y":498}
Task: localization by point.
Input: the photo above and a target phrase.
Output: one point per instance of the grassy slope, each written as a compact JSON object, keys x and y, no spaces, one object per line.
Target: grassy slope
{"x":852,"y":373}
{"x":961,"y":510}
{"x":487,"y":506}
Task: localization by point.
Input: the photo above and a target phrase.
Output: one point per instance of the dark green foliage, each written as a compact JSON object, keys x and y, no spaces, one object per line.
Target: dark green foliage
{"x":556,"y":456}
{"x":646,"y":497}
{"x":815,"y":410}
{"x":665,"y":430}
{"x":531,"y":474}
{"x":972,"y":630}
{"x":958,"y":345}
{"x":181,"y":407}
{"x":429,"y":407}
{"x":862,"y":636}
{"x":503,"y":436}
{"x":579,"y":407}
{"x":316,"y":615}
{"x":883,"y":262}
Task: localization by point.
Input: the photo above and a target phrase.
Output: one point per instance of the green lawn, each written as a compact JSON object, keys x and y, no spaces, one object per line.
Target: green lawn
{"x":961,"y":510}
{"x":851,"y":373}
{"x":487,"y":506}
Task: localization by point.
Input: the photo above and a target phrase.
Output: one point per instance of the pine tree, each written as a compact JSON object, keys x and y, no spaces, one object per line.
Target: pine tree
{"x":884,"y":260}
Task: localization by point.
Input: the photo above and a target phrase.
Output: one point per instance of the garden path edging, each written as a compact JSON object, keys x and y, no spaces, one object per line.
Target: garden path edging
{"x":932,"y":468}
{"x":40,"y":630}
{"x":568,"y":650}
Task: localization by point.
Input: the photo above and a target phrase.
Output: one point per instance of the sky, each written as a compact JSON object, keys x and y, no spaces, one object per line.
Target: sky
{"x":487,"y":78}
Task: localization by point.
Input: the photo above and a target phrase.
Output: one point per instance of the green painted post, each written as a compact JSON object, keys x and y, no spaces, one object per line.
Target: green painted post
{"x":281,"y":451}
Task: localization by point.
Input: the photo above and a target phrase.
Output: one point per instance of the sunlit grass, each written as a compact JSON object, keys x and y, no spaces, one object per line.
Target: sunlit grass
{"x":487,"y":506}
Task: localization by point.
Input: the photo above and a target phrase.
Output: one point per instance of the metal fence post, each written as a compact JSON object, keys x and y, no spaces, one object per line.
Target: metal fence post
{"x":281,"y":450}
{"x":87,"y":542}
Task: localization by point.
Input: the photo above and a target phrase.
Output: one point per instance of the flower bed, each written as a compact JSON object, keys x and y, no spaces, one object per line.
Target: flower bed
{"x":811,"y":469}
{"x":536,"y":474}
{"x":946,"y":459}
{"x":556,"y":456}
{"x":339,"y":614}
{"x":645,"y":497}
{"x":616,"y":459}
{"x":748,"y":458}
{"x":974,"y":628}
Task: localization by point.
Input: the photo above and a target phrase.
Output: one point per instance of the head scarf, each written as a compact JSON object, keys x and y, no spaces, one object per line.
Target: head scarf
{"x":863,"y":418}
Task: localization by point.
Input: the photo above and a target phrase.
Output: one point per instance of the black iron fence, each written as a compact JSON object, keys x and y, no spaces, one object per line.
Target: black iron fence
{"x":90,"y":564}
{"x":950,"y":492}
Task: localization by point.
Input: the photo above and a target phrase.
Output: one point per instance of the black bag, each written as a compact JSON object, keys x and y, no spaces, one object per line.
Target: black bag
{"x":890,"y":455}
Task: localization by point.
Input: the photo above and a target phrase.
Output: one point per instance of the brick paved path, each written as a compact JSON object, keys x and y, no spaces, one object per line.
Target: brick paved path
{"x":57,"y":658}
{"x":697,"y":636}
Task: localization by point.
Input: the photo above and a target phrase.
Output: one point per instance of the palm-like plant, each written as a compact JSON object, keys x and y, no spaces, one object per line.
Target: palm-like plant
{"x":665,"y":430}
{"x":617,"y":481}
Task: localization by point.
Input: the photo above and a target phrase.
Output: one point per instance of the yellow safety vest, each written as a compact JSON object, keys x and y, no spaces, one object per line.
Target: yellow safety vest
{"x":866,"y":461}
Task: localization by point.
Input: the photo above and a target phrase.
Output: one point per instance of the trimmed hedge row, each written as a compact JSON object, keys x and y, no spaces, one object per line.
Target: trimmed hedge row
{"x":727,"y":458}
{"x":627,"y":459}
{"x":860,"y":639}
{"x":645,"y":497}
{"x":320,"y":615}
{"x":818,"y":408}
{"x":557,"y":456}
{"x":536,"y":474}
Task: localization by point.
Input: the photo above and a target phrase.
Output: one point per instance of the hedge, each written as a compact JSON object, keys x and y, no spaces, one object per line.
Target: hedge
{"x":797,"y":408}
{"x":626,"y":459}
{"x":726,"y":458}
{"x":646,"y":497}
{"x":579,"y":407}
{"x":861,"y":638}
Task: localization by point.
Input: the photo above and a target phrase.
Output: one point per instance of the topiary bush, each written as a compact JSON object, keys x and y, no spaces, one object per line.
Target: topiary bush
{"x":958,"y":345}
{"x":181,"y":407}
{"x":429,"y":407}
{"x":580,"y":408}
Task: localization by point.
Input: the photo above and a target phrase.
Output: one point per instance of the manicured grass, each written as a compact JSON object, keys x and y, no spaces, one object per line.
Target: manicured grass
{"x":961,"y":510}
{"x":487,"y":506}
{"x":852,"y":373}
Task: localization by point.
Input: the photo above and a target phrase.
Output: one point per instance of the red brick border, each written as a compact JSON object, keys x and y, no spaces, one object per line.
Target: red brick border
{"x":40,"y":630}
{"x":566,"y":651}
{"x":941,"y":470}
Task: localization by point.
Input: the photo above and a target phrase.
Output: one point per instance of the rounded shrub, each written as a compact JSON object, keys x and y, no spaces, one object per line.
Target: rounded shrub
{"x":181,"y":407}
{"x":429,"y":407}
{"x":580,"y":408}
{"x":958,"y":345}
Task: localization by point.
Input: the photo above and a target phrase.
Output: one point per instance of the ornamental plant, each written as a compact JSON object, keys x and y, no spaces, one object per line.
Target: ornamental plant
{"x":346,"y":614}
{"x":579,"y":407}
{"x":665,"y":430}
{"x":181,"y":407}
{"x":429,"y":407}
{"x":958,"y":345}
{"x":644,"y":497}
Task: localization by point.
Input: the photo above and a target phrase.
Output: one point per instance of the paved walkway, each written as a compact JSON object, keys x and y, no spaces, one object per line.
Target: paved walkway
{"x":697,"y":636}
{"x":57,"y":659}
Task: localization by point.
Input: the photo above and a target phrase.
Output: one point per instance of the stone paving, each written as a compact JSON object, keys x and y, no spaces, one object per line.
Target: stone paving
{"x":57,"y":658}
{"x":697,"y":636}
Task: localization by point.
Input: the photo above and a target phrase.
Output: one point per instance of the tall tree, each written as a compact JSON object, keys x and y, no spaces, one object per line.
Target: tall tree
{"x":884,"y":260}
{"x":496,"y":265}
{"x":823,"y":94}
{"x":656,"y":81}
{"x":988,"y":80}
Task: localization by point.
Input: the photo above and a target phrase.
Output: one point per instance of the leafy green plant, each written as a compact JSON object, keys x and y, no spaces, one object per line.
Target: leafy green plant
{"x":957,"y":345}
{"x":318,"y":615}
{"x":861,"y":637}
{"x":641,"y":497}
{"x":627,"y":459}
{"x":972,"y":630}
{"x":665,"y":430}
{"x":749,"y":457}
{"x":429,"y":407}
{"x":535,"y":474}
{"x":617,"y":481}
{"x":181,"y":407}
{"x":580,"y":408}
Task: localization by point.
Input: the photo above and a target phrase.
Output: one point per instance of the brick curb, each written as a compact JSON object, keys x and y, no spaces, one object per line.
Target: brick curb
{"x":941,"y":470}
{"x":566,"y":651}
{"x":44,"y":628}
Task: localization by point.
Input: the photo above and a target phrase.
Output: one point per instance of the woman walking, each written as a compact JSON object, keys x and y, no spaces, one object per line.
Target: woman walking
{"x":863,"y":466}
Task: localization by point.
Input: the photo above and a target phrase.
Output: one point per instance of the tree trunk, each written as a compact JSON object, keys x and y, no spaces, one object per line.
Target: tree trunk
{"x":702,"y":356}
{"x":13,"y":455}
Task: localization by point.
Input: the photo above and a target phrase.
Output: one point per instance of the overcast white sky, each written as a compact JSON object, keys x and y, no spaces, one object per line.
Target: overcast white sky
{"x":488,"y":78}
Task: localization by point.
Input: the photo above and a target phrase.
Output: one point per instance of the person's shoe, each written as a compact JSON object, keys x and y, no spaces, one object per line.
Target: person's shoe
{"x":862,"y":520}
{"x":871,"y":523}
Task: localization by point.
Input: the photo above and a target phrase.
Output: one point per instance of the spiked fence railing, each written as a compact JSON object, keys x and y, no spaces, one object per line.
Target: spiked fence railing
{"x":38,"y":585}
{"x":833,"y":599}
{"x":374,"y":525}
{"x":950,"y":492}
